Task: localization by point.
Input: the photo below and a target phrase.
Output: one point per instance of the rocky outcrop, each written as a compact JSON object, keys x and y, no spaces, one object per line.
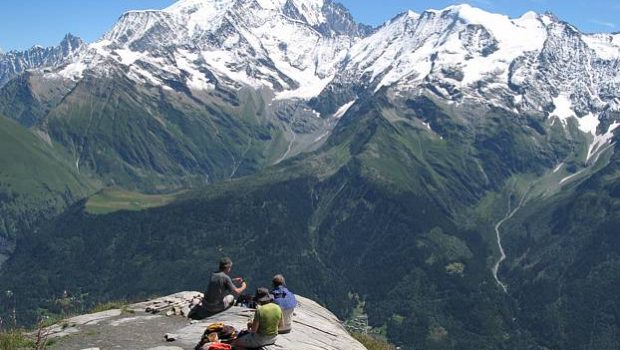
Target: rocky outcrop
{"x":14,"y":63}
{"x":152,"y":324}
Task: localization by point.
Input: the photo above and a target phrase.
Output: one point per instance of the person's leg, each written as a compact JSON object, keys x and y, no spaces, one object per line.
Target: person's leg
{"x":244,"y":341}
{"x":198,"y":312}
{"x":287,"y":321}
{"x":253,"y":340}
{"x":229,"y":301}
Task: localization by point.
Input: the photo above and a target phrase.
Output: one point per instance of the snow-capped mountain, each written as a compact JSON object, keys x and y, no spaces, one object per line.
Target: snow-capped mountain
{"x":296,"y":48}
{"x":531,"y":64}
{"x":14,"y":63}
{"x":238,"y":72}
{"x":289,"y":46}
{"x":469,"y":43}
{"x":467,"y":48}
{"x":295,"y":67}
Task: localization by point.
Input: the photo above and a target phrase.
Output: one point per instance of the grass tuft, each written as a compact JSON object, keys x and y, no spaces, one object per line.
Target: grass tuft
{"x":372,"y":343}
{"x":15,"y":340}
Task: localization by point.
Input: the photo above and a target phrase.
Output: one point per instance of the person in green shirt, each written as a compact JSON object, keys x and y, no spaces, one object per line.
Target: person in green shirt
{"x":264,"y":328}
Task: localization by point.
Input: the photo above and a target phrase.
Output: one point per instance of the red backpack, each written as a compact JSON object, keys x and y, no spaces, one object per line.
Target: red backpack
{"x":220,"y":346}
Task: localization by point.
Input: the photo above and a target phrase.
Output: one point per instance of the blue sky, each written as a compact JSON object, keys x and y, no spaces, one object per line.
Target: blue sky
{"x":24,"y":23}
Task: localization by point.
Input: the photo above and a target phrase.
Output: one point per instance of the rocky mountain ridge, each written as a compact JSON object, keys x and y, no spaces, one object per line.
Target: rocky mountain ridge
{"x":160,"y":65}
{"x":532,"y":64}
{"x":289,"y":46}
{"x":14,"y":63}
{"x":305,"y":63}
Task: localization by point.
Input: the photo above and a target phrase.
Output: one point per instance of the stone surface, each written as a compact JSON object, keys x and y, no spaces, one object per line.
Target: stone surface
{"x":314,"y":327}
{"x":170,"y":337}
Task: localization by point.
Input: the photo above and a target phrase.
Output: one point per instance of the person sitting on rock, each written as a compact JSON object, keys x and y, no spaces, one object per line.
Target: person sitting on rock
{"x":287,"y":302}
{"x":263,"y":329}
{"x":220,"y":294}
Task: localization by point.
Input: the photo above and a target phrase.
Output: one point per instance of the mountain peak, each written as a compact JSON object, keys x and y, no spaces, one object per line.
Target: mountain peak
{"x":310,"y":11}
{"x":71,"y":41}
{"x":454,"y":8}
{"x":16,"y":62}
{"x":200,"y":6}
{"x":186,"y":4}
{"x":412,"y":14}
{"x":509,"y":32}
{"x":475,"y":15}
{"x":463,"y":11}
{"x":201,"y":14}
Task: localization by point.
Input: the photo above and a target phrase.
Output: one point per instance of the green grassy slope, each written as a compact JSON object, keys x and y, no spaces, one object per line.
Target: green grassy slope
{"x":382,"y":211}
{"x":147,"y":139}
{"x":35,"y":180}
{"x":564,"y":263}
{"x":115,"y":199}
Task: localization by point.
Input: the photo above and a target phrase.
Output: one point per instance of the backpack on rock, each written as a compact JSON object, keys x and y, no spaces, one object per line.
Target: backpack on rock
{"x":218,"y":335}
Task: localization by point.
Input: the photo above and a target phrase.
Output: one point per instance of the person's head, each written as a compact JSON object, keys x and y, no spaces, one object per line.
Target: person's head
{"x":225,"y":264}
{"x":263,"y":296}
{"x":278,"y":280}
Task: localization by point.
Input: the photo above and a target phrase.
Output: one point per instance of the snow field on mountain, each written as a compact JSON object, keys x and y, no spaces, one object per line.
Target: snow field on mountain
{"x":588,"y":124}
{"x":196,"y":79}
{"x":412,"y":45}
{"x":600,"y":141}
{"x":278,"y":45}
{"x":563,"y":109}
{"x":343,"y":109}
{"x":606,"y":46}
{"x":201,"y":15}
{"x":128,"y":57}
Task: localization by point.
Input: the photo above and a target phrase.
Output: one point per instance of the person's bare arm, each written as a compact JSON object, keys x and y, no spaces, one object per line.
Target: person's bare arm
{"x":233,"y":288}
{"x":240,"y":290}
{"x":254,"y":325}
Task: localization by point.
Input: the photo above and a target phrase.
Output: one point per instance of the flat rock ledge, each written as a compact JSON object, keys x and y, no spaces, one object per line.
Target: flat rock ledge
{"x":135,"y":328}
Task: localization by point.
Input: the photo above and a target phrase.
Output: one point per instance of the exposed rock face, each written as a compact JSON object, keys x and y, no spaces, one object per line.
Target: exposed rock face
{"x":314,"y":328}
{"x":207,"y":90}
{"x":13,"y":63}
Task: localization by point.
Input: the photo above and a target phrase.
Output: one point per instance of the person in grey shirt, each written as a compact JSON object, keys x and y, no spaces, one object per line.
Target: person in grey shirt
{"x":220,"y":294}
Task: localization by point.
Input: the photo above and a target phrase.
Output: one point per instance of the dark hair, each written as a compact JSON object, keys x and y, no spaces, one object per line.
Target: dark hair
{"x":263,"y":296}
{"x":225,"y":263}
{"x":278,"y":280}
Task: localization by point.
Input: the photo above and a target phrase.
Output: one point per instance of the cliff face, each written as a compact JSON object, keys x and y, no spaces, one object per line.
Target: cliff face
{"x":314,"y":327}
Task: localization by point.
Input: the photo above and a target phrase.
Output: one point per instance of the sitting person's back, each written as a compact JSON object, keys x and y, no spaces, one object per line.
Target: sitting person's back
{"x":269,"y":316}
{"x":264,"y":328}
{"x":221,"y":290}
{"x":287,"y":302}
